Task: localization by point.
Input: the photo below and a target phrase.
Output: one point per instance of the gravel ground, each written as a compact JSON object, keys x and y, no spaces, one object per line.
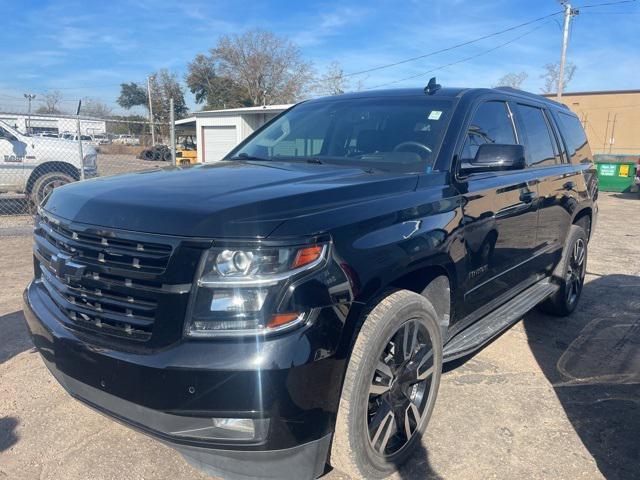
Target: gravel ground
{"x":550,"y":398}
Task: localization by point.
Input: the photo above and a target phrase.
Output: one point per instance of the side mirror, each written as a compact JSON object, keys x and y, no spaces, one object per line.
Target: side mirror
{"x":493,"y":157}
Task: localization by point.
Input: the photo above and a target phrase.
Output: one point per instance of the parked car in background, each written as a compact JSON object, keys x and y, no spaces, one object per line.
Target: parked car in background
{"x":47,"y":135}
{"x":293,"y":304}
{"x":101,"y":139}
{"x":86,"y":139}
{"x":36,"y":165}
{"x":126,"y":139}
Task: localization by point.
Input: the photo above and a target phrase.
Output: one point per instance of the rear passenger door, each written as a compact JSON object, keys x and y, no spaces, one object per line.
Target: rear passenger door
{"x":499,"y":215}
{"x":546,"y":157}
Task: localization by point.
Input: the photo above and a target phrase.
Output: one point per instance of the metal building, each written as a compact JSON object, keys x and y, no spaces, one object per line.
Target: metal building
{"x":611,"y":119}
{"x":218,"y":131}
{"x":56,"y":124}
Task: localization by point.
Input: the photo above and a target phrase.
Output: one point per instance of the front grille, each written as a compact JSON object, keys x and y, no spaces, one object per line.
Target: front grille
{"x":103,"y":282}
{"x":105,"y":248}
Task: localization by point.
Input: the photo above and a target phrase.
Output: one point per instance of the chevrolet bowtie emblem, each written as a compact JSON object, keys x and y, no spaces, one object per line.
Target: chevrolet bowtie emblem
{"x":64,"y":266}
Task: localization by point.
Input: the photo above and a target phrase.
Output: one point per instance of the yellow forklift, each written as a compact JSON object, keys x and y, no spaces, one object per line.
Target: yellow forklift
{"x":186,"y":150}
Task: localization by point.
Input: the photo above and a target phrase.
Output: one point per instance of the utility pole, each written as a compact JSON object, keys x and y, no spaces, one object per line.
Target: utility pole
{"x":29,"y":97}
{"x":79,"y":130}
{"x":568,"y":13}
{"x":172,"y":131}
{"x":153,"y":135}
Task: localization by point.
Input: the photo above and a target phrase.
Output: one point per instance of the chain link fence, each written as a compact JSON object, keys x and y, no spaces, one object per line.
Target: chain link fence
{"x":39,"y":153}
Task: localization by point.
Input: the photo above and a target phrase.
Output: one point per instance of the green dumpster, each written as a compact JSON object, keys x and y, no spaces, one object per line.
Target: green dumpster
{"x":616,"y":173}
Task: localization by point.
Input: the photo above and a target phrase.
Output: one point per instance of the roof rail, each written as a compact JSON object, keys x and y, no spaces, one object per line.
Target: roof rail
{"x":524,"y":93}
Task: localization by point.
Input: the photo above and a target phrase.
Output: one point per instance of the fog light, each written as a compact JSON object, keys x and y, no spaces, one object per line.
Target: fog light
{"x":234,"y":429}
{"x":244,"y":426}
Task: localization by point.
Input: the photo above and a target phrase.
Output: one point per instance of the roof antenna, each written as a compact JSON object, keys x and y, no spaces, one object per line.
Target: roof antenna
{"x":432,"y":87}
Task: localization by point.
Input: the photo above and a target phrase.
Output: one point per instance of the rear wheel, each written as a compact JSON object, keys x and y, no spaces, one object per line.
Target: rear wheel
{"x":46,"y":183}
{"x":390,"y":387}
{"x":570,"y":274}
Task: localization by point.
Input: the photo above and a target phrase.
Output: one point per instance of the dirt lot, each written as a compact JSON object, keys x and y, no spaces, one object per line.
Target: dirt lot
{"x":550,"y":398}
{"x":110,"y":164}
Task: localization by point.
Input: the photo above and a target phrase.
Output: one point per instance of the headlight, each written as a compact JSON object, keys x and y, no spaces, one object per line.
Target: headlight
{"x":238,"y":289}
{"x":89,"y":160}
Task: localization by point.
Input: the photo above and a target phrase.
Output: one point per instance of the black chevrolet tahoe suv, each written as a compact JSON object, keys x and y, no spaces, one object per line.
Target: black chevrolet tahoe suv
{"x":291,"y":306}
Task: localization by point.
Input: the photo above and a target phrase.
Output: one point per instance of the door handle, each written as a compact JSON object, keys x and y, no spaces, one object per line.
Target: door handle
{"x":571,"y":185}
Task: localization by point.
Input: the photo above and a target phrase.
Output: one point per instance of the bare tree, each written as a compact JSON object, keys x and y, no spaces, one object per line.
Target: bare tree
{"x":51,"y":102}
{"x":332,"y":82}
{"x":552,"y":74}
{"x":164,"y":86}
{"x":269,"y":68}
{"x":95,"y":108}
{"x":512,"y":79}
{"x":211,"y":89}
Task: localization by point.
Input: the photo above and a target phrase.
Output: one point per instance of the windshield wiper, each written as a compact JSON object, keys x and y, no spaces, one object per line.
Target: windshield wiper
{"x":246,"y":156}
{"x":317,"y":161}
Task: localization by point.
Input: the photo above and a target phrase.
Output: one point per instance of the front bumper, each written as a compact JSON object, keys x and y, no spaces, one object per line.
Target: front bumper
{"x":90,"y":172}
{"x":289,"y":385}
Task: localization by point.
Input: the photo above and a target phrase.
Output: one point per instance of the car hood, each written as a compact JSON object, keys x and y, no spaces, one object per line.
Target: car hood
{"x":225,"y":199}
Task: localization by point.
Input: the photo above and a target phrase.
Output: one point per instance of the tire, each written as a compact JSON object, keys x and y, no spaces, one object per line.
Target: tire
{"x":157,"y":155}
{"x":147,"y":154}
{"x":45,"y":183}
{"x":364,"y":444}
{"x":569,"y":274}
{"x":166,"y":156}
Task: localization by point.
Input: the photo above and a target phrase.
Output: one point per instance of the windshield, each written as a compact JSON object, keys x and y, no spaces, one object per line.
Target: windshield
{"x":395,"y":134}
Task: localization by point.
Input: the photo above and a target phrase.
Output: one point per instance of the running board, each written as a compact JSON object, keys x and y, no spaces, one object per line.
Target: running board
{"x":494,"y":323}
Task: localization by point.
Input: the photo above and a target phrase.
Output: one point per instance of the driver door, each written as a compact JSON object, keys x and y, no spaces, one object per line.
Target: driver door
{"x":12,"y":156}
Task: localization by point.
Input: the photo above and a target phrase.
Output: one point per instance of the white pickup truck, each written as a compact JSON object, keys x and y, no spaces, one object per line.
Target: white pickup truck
{"x":36,"y":165}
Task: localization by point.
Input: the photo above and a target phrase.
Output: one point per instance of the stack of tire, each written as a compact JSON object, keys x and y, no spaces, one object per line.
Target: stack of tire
{"x":157,"y":153}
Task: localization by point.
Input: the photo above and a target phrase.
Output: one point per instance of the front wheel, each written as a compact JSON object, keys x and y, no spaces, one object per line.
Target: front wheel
{"x":390,"y":387}
{"x":46,"y":183}
{"x":569,"y":274}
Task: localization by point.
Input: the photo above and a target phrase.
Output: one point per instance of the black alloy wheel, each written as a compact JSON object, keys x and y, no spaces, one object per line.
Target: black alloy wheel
{"x":390,"y":386}
{"x":569,"y":274}
{"x":576,"y":271}
{"x":399,"y":388}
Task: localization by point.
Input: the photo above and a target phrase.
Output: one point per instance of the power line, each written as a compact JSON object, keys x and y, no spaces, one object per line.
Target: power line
{"x":610,"y":13}
{"x":606,"y":4}
{"x":447,"y":49}
{"x":466,"y":59}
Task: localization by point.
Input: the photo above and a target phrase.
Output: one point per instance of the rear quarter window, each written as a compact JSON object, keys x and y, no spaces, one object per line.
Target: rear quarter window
{"x":575,"y":138}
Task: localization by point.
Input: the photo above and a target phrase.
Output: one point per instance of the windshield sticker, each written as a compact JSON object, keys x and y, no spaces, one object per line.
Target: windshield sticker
{"x":435,"y":115}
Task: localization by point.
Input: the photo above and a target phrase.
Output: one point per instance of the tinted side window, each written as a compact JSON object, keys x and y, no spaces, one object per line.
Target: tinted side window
{"x":539,"y":145}
{"x":490,"y":124}
{"x":575,"y":137}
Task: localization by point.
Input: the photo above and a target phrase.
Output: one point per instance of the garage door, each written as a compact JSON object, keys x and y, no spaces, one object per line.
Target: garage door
{"x":218,"y":141}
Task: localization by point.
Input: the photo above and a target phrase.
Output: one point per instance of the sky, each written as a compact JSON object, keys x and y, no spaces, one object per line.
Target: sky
{"x":87,"y":48}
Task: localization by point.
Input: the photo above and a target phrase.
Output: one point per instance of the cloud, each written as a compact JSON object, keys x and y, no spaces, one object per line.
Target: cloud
{"x":327,"y":24}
